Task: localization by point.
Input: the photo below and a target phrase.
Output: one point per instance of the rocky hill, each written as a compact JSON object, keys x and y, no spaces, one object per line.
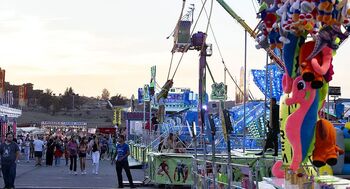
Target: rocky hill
{"x":95,"y":114}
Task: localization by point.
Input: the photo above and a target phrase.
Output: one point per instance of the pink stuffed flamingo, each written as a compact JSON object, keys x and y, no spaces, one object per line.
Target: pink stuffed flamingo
{"x":303,"y":95}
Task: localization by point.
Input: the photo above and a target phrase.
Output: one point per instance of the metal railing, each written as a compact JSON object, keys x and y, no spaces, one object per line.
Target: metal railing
{"x":208,"y":180}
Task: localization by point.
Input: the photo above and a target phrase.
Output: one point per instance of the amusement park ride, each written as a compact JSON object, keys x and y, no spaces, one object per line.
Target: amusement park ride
{"x":299,"y":80}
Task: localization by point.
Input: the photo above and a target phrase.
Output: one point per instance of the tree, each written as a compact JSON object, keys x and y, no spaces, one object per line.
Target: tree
{"x":48,"y":91}
{"x":67,"y":98}
{"x":56,"y":104}
{"x":118,"y":100}
{"x":105,"y":94}
{"x":45,"y":100}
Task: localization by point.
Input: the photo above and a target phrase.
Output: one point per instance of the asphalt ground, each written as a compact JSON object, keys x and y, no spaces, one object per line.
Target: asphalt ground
{"x":54,"y":177}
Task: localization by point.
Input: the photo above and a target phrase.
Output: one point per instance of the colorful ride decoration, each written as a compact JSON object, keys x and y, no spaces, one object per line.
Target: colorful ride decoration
{"x":343,"y":141}
{"x":170,"y":169}
{"x":346,"y":168}
{"x":307,"y":33}
{"x":274,"y":76}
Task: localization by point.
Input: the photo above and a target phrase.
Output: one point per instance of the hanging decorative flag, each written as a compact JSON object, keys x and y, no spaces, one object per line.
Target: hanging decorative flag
{"x":117,"y":118}
{"x":146,"y":96}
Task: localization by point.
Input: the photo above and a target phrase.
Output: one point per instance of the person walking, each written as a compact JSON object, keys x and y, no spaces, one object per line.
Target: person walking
{"x":65,"y":147}
{"x":95,"y":148}
{"x":121,"y":158}
{"x":27,"y":148}
{"x":9,"y":152}
{"x":31,"y":155}
{"x":50,"y":152}
{"x":83,"y":146}
{"x":110,"y":146}
{"x":73,"y":152}
{"x":273,"y":127}
{"x":113,"y":151}
{"x":155,"y":123}
{"x":58,"y":151}
{"x":103,"y":144}
{"x":38,"y":150}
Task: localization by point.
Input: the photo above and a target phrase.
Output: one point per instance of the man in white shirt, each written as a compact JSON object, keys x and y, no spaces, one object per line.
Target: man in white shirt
{"x":38,"y":150}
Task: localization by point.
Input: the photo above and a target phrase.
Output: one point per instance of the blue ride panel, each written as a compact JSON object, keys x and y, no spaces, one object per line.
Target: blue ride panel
{"x":275,"y":75}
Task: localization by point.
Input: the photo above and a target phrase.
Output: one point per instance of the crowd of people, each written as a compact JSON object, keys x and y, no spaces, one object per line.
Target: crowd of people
{"x":72,"y":148}
{"x":55,"y":149}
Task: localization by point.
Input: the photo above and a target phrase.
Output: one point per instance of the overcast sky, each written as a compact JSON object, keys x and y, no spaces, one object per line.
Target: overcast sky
{"x":96,"y":44}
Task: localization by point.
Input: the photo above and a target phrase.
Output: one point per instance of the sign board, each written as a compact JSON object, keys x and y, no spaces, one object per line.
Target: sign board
{"x":219,"y":91}
{"x":334,"y":91}
{"x":135,"y":127}
{"x":146,"y":96}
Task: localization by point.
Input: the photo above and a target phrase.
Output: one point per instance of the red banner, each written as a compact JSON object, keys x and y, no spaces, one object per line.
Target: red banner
{"x":3,"y":131}
{"x":2,"y":83}
{"x":14,"y":128}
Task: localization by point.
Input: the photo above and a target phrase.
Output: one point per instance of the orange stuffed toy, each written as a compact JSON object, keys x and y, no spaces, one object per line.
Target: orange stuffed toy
{"x":314,"y":69}
{"x":325,"y":9}
{"x":326,"y":150}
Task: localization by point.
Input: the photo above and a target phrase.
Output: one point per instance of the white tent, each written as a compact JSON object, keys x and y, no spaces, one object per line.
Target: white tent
{"x":26,"y":129}
{"x":32,"y":130}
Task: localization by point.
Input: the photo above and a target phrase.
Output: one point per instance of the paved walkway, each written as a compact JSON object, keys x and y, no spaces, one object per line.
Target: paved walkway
{"x":29,"y":176}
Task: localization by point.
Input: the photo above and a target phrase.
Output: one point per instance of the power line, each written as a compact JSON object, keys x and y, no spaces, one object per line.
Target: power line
{"x":222,"y":59}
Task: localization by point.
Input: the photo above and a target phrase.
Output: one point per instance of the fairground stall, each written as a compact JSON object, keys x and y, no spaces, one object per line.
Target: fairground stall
{"x":8,"y":120}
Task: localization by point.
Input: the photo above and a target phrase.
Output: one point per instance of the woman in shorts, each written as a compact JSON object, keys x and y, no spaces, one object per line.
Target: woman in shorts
{"x":83,"y":146}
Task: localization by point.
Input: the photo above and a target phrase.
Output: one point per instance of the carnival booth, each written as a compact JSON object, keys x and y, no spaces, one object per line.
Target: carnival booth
{"x":135,"y":130}
{"x":8,"y":120}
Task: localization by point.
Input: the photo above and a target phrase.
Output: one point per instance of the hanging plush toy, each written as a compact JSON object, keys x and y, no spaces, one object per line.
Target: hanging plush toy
{"x":330,"y":36}
{"x":325,"y":9}
{"x":303,"y":95}
{"x":314,"y":69}
{"x":326,"y":150}
{"x":323,"y":66}
{"x":344,"y":11}
{"x":271,"y":26}
{"x":300,"y":125}
{"x":308,"y":17}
